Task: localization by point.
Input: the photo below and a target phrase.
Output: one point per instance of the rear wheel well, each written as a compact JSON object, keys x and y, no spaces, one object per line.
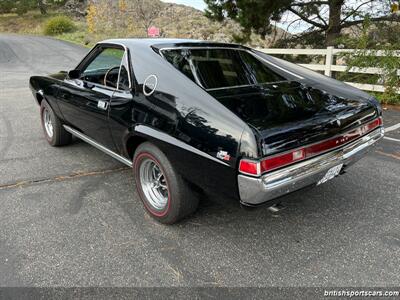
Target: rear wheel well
{"x":135,"y":141}
{"x":132,"y":144}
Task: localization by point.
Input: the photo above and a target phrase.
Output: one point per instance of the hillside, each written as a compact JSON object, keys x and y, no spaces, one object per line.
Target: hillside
{"x":187,"y":22}
{"x":109,"y":20}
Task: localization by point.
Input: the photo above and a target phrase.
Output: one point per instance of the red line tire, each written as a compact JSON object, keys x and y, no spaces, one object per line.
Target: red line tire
{"x":179,"y":201}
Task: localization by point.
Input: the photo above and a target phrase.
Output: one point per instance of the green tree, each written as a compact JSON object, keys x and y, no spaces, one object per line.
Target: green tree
{"x":17,"y":6}
{"x":327,"y":17}
{"x":42,"y":7}
{"x":370,"y":40}
{"x":6,"y":6}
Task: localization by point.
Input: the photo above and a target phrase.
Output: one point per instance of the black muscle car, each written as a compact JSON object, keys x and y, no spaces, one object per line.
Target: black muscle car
{"x":193,"y":116}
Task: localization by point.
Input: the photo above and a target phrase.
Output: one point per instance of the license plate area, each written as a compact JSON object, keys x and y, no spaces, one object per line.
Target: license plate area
{"x":332,"y":173}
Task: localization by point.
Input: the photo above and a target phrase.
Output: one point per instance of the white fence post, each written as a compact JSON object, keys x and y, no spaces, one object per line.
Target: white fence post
{"x":328,"y":61}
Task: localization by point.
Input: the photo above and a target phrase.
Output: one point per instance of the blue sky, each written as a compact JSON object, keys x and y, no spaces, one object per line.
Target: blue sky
{"x":199,"y":4}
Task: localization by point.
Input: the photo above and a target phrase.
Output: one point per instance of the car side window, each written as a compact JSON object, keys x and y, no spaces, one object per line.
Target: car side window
{"x":104,"y":68}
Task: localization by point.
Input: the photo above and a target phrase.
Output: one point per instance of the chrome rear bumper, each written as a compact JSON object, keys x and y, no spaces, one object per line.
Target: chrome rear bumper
{"x":257,"y":190}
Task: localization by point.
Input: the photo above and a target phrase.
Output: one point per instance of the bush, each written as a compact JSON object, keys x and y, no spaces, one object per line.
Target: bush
{"x":366,"y":57}
{"x":59,"y":25}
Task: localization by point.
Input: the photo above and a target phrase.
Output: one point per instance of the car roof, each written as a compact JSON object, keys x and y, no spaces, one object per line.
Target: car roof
{"x":160,"y":43}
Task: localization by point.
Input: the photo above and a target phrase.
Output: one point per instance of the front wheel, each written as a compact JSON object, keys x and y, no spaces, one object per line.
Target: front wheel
{"x":165,"y":194}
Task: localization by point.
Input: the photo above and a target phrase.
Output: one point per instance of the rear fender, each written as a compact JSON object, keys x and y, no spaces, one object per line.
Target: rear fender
{"x":197,"y":167}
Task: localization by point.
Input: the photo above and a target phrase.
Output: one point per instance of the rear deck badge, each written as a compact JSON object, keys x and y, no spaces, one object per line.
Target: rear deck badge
{"x":223,"y":155}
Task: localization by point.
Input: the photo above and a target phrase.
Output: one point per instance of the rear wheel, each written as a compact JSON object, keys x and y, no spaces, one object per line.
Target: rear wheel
{"x":53,"y":129}
{"x":164,"y":193}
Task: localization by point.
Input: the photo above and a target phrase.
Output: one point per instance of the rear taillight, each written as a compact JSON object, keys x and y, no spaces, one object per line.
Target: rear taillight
{"x":256,"y":168}
{"x":278,"y":161}
{"x":249,"y":167}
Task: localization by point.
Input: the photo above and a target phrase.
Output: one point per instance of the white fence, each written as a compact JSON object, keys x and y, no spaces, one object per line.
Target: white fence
{"x":330,"y":65}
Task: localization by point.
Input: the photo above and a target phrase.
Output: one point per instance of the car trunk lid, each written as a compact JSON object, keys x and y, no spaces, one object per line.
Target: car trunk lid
{"x":288,"y":115}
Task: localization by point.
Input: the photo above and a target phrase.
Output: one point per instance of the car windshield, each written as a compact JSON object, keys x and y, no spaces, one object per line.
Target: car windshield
{"x":221,"y":68}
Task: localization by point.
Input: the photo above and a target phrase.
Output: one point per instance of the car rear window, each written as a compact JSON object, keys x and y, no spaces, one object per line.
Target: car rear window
{"x":221,"y":68}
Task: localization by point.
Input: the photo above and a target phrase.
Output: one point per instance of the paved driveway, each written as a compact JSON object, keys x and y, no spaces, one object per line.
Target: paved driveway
{"x":70,"y":216}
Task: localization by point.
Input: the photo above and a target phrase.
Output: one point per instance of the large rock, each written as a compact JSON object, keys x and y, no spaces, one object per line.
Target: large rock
{"x":76,"y":7}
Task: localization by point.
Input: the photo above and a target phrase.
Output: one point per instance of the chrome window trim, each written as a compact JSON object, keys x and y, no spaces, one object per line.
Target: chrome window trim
{"x":231,"y":87}
{"x":202,"y":48}
{"x":192,"y":68}
{"x":276,"y":66}
{"x":125,"y":59}
{"x":249,"y":51}
{"x":247,"y":85}
{"x":126,"y":54}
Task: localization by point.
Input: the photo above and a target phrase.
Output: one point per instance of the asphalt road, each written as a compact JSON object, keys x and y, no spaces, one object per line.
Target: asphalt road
{"x":70,"y":216}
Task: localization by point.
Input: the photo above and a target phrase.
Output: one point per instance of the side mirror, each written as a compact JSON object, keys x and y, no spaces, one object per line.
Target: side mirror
{"x":74,"y":74}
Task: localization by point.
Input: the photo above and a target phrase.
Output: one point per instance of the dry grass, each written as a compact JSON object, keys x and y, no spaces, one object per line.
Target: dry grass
{"x":30,"y":23}
{"x":33,"y":23}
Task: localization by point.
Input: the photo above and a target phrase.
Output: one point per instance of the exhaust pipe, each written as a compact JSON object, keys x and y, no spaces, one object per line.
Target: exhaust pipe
{"x":276,"y":208}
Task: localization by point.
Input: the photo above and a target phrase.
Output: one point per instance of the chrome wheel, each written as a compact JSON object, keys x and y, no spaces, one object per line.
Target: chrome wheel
{"x":153,"y":184}
{"x":48,"y":124}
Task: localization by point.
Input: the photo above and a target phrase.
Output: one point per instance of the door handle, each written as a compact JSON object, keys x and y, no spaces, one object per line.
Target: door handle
{"x":88,"y":85}
{"x":102,"y":105}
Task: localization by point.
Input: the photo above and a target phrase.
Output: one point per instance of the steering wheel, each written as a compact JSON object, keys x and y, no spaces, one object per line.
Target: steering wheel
{"x":112,"y":81}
